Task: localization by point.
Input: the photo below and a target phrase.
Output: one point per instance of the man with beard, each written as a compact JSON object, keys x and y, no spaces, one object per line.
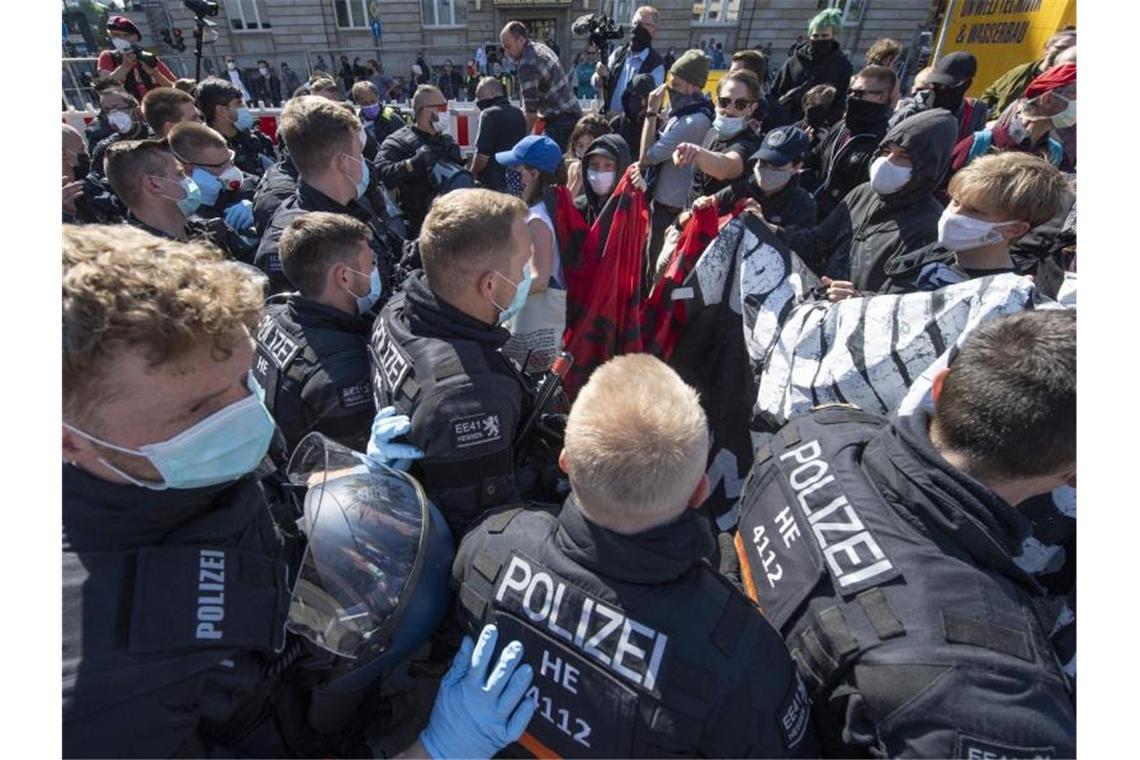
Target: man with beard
{"x":817,"y":61}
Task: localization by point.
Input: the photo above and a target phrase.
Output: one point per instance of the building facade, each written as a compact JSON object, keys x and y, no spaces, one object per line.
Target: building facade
{"x":310,"y":34}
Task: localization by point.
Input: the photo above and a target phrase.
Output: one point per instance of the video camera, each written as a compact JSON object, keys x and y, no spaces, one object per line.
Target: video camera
{"x":201,"y":7}
{"x":600,"y":28}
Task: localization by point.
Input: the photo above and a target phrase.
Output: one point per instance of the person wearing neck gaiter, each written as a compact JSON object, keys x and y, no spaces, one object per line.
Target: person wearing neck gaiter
{"x":817,"y":61}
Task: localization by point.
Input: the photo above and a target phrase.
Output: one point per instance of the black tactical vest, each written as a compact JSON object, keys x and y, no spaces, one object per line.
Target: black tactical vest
{"x":872,"y":609}
{"x":625,"y":669}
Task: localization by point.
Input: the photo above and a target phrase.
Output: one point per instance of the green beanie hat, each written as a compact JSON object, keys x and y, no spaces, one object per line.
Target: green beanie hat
{"x":831,"y":17}
{"x":693,"y":67}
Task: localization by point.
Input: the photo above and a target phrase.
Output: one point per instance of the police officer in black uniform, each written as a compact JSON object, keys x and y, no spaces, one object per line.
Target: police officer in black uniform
{"x":884,"y":553}
{"x":324,"y":141}
{"x":408,"y":156}
{"x":436,"y":351}
{"x":639,"y":647}
{"x":222,"y":107}
{"x":163,"y":200}
{"x":179,"y":559}
{"x":312,"y":346}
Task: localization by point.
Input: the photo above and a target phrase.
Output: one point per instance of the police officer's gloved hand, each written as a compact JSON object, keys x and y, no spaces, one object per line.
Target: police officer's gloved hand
{"x":425,"y":158}
{"x":239,"y":216}
{"x":476,"y":716}
{"x":385,"y":427}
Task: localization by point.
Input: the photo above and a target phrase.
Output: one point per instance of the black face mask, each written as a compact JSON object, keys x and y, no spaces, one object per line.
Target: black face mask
{"x":633,"y":106}
{"x":821,"y":48}
{"x":639,"y":39}
{"x":949,"y":98}
{"x":864,"y":112}
{"x":82,"y":166}
{"x":485,"y":103}
{"x":816,"y":115}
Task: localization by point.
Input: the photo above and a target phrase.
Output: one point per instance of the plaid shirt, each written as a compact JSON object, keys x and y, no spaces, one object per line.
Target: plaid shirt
{"x":546,"y":87}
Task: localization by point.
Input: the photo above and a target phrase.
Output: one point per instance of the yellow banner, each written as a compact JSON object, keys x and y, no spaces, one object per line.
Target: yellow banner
{"x":1003,"y":33}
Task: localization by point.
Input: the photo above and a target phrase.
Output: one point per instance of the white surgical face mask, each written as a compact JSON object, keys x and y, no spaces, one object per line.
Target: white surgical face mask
{"x":886,"y":177}
{"x":231,"y":178}
{"x":264,"y":71}
{"x":958,"y":232}
{"x":601,"y":182}
{"x":440,"y":122}
{"x":728,"y":126}
{"x":1068,"y":117}
{"x":230,"y":65}
{"x":120,"y":44}
{"x":121,"y":121}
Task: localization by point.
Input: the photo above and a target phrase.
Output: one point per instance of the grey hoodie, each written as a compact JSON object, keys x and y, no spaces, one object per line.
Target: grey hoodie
{"x":867,"y":229}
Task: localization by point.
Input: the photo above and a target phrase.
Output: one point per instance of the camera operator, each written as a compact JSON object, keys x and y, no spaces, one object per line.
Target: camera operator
{"x":627,"y":61}
{"x":138,"y":70}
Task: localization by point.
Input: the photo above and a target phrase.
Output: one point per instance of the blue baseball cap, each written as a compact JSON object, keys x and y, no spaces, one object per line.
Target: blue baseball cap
{"x":538,"y":151}
{"x":783,"y":145}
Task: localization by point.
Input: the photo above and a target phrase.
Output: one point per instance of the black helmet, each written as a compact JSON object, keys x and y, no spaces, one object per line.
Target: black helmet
{"x":374,"y":582}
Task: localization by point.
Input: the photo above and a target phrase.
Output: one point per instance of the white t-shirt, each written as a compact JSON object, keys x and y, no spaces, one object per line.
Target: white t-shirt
{"x":538,"y":211}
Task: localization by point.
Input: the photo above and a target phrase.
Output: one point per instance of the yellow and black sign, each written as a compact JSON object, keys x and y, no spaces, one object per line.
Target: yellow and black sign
{"x":1002,"y":33}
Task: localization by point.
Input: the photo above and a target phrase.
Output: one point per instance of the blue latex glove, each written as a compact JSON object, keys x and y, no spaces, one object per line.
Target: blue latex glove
{"x":385,"y":427}
{"x":240,"y":215}
{"x":476,"y":716}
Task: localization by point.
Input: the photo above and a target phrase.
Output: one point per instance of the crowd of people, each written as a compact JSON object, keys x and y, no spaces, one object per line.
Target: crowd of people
{"x":729,"y":425}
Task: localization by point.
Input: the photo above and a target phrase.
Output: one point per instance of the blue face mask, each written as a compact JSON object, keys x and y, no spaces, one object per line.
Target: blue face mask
{"x":365,"y":302}
{"x":362,"y":185}
{"x":208,"y":185}
{"x":522,"y":290}
{"x":370,"y":112}
{"x":244,"y":120}
{"x":226,"y":445}
{"x":191,"y":194}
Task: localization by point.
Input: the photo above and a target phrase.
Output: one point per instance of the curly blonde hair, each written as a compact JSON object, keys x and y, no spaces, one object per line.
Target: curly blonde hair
{"x":127,"y":290}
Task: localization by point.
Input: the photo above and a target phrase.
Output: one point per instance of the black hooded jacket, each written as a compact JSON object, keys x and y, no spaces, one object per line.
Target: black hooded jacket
{"x":843,"y":158}
{"x":807,"y":68}
{"x":867,"y":229}
{"x":612,"y":147}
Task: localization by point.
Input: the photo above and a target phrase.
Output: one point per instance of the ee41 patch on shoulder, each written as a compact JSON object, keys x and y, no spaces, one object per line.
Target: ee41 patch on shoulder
{"x":474,"y":430}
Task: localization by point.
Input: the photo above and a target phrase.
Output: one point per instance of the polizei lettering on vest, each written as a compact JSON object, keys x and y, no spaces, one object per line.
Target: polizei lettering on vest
{"x":606,"y":635}
{"x":851,"y":551}
{"x":211,"y":593}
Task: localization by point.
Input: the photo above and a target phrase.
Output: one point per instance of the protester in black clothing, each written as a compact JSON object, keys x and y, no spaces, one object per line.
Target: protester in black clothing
{"x":407,"y":157}
{"x":817,"y":61}
{"x":631,"y":120}
{"x":501,"y":126}
{"x":995,"y":201}
{"x":347,"y":77}
{"x":76,"y":165}
{"x":774,"y":183}
{"x":424,"y":75}
{"x":723,"y":156}
{"x":221,"y":105}
{"x":843,"y":160}
{"x":450,"y":82}
{"x":603,"y":164}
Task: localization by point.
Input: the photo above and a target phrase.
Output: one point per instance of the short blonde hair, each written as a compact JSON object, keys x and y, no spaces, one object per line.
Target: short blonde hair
{"x":422,"y":93}
{"x":637,"y":444}
{"x":127,"y":162}
{"x":1016,"y":186}
{"x":127,"y":290}
{"x":466,"y":233}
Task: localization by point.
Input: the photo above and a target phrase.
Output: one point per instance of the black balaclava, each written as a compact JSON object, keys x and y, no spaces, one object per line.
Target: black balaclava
{"x":639,"y":38}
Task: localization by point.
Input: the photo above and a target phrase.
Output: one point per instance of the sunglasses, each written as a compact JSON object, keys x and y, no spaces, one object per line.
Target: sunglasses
{"x":862,"y":94}
{"x":224,"y":164}
{"x":740,"y":103}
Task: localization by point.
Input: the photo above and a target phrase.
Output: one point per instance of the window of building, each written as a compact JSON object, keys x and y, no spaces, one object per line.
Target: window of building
{"x":444,"y":12}
{"x":247,"y":15}
{"x":352,"y":14}
{"x":716,"y":12}
{"x":852,"y":11}
{"x":622,"y":11}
